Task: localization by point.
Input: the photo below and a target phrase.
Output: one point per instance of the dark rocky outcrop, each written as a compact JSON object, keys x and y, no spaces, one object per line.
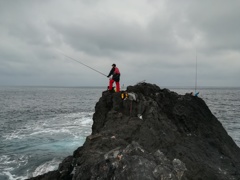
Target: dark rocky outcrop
{"x":154,"y":134}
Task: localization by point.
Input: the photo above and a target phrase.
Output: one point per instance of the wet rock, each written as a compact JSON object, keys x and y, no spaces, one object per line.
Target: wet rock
{"x":155,"y":134}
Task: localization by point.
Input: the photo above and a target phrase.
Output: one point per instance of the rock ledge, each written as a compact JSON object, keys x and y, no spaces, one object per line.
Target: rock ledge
{"x":152,"y":134}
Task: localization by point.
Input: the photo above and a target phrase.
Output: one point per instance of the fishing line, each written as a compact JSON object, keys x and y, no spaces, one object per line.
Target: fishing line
{"x":82,"y":63}
{"x":196,"y":73}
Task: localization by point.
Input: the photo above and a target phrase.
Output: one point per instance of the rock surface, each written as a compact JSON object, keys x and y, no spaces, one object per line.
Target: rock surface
{"x":152,"y":134}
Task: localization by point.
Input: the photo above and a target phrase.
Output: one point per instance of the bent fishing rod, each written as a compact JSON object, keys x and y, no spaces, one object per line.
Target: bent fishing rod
{"x":82,"y":64}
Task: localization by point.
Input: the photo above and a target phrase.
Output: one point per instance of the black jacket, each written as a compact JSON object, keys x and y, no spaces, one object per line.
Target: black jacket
{"x":116,"y":76}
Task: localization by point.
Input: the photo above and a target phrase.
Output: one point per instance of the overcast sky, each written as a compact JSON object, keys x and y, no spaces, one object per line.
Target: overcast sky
{"x":154,"y":40}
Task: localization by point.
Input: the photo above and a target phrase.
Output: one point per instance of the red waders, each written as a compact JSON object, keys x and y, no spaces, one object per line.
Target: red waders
{"x":111,"y":81}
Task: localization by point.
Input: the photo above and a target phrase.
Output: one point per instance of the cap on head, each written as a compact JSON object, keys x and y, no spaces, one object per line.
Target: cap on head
{"x":114,"y":65}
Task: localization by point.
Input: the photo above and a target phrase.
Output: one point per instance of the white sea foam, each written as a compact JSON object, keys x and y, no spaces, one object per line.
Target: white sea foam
{"x":45,"y":167}
{"x":10,"y":162}
{"x":50,"y":131}
{"x":13,"y":135}
{"x":64,"y":127}
{"x":79,"y":118}
{"x":16,"y":160}
{"x":13,"y":177}
{"x":63,"y":124}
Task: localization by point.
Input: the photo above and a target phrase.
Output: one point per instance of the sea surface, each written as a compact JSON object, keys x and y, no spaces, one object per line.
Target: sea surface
{"x":39,"y":126}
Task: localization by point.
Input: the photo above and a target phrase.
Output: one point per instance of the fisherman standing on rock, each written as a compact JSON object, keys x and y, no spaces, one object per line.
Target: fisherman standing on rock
{"x":115,"y":73}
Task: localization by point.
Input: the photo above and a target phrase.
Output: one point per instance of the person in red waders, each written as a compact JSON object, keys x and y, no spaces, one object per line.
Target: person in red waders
{"x":115,"y":73}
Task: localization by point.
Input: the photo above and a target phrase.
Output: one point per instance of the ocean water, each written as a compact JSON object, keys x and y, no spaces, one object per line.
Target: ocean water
{"x":39,"y":126}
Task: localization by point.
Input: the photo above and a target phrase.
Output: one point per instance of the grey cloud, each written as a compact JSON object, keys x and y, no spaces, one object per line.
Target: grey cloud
{"x":152,"y":40}
{"x":115,"y":37}
{"x":218,"y":20}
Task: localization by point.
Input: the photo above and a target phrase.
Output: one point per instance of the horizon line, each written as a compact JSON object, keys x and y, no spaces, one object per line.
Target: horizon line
{"x":89,"y":86}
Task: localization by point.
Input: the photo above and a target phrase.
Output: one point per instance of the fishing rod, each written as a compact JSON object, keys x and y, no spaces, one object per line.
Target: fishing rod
{"x":82,"y":64}
{"x":196,"y":73}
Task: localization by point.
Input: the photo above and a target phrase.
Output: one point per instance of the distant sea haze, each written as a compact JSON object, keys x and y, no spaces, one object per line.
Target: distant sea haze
{"x":39,"y":126}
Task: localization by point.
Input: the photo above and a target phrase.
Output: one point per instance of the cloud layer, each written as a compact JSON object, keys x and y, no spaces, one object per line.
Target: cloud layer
{"x":154,"y":40}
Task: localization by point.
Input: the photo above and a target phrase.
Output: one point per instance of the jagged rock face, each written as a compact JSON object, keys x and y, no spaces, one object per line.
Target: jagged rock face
{"x":153,"y":134}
